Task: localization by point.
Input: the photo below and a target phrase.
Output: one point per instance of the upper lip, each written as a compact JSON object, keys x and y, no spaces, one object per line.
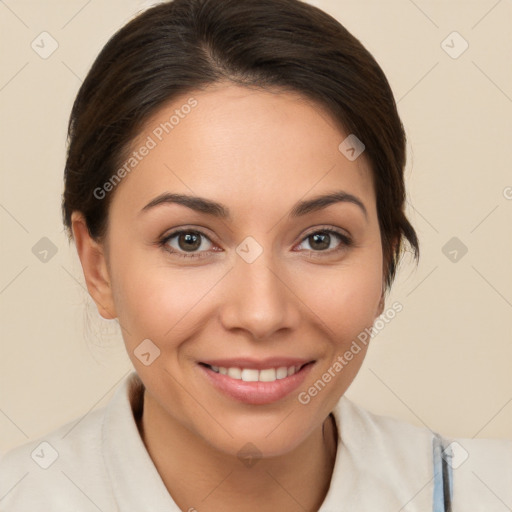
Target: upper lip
{"x":258,"y":364}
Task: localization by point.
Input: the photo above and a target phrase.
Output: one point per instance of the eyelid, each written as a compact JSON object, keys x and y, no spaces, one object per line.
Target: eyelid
{"x":205,"y":232}
{"x":327,"y":228}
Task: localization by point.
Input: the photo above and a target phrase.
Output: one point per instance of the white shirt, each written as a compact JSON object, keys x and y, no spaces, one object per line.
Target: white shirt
{"x":382,"y":464}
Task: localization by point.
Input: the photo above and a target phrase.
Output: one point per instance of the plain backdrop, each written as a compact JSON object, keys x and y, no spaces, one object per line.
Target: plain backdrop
{"x":445,"y":359}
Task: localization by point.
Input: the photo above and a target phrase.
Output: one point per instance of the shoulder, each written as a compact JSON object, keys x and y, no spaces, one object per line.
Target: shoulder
{"x":68,"y":461}
{"x":478,"y":471}
{"x":396,"y":434}
{"x":482,"y":473}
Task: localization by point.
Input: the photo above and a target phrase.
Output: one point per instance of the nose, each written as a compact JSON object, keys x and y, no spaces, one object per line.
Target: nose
{"x":259,"y":299}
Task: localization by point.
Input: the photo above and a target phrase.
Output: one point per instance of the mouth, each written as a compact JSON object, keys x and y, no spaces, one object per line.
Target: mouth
{"x":256,"y":383}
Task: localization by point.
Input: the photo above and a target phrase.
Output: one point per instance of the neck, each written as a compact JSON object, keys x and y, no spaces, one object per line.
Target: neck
{"x":199,"y":477}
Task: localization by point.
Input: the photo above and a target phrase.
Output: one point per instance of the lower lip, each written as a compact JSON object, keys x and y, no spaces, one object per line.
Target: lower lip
{"x":256,"y":393}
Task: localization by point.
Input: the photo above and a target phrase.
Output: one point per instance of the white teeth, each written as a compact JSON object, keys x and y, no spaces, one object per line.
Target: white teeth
{"x":268,"y":375}
{"x":249,"y":375}
{"x":253,"y":375}
{"x":235,"y":373}
{"x":282,"y":372}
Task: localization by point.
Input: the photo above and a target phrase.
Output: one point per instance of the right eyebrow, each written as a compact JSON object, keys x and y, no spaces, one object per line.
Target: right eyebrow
{"x":199,"y":204}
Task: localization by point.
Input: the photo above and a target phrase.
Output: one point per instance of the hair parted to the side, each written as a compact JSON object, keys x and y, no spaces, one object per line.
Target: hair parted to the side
{"x":182,"y":46}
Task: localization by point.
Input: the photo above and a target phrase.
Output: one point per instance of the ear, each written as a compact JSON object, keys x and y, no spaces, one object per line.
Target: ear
{"x":94,"y":266}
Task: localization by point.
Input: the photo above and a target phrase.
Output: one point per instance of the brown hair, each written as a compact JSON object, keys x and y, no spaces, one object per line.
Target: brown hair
{"x":185,"y":45}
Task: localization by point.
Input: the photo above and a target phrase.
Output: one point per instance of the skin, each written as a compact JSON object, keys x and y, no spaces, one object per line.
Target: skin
{"x":258,"y":153}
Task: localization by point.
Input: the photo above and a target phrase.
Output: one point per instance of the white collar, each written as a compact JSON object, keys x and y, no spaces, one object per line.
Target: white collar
{"x":381,"y":463}
{"x":136,"y":484}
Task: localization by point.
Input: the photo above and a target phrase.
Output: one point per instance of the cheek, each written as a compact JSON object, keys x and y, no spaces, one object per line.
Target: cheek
{"x":155,"y":301}
{"x":345,"y":299}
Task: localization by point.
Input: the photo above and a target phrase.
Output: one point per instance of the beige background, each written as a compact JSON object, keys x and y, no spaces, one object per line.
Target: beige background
{"x":444,"y":361}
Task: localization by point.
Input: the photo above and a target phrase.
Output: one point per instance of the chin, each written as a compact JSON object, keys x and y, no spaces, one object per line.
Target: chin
{"x":267,"y":436}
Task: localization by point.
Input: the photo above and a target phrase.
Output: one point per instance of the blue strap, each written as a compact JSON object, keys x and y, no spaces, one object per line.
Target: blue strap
{"x":443,"y":488}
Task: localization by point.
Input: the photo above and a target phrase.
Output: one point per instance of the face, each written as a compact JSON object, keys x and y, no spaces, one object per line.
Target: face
{"x":264,"y":279}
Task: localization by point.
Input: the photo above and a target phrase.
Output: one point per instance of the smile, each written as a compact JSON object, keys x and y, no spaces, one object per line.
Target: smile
{"x":256,"y":386}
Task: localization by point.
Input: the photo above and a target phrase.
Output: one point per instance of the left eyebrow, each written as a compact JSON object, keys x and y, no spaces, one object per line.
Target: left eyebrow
{"x":320,"y":202}
{"x":209,"y":207}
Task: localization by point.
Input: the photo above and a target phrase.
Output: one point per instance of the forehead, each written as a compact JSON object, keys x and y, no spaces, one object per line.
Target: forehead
{"x":242,"y":146}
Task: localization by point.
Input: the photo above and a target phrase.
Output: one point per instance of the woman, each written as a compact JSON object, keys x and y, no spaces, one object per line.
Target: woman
{"x":234,"y":186}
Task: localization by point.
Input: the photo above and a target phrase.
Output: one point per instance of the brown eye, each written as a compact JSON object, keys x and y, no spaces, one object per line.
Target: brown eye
{"x":187,"y":244}
{"x":319,"y":241}
{"x":189,"y":241}
{"x":324,"y":241}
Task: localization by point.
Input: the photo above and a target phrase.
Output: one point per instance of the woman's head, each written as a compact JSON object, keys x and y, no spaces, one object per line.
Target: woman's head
{"x":245,"y":104}
{"x":187,"y":45}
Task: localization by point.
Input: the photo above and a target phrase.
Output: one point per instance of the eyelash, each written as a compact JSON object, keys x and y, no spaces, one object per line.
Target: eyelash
{"x":346,"y":242}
